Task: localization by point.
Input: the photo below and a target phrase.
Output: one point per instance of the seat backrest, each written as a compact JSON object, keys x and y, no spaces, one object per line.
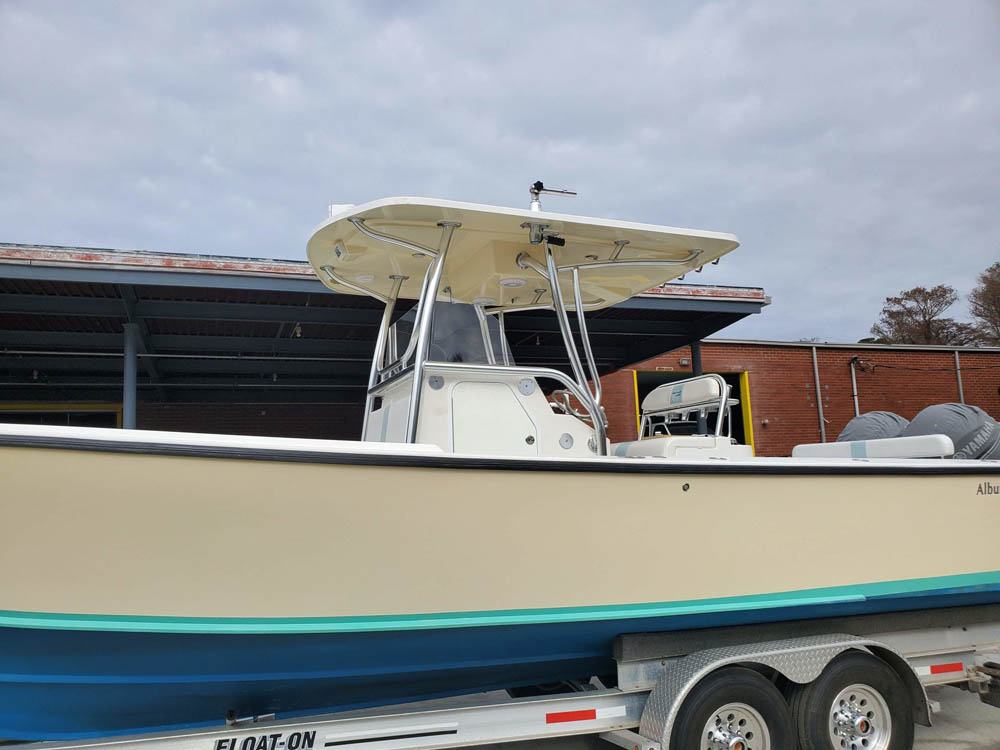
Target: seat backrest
{"x":686,"y":394}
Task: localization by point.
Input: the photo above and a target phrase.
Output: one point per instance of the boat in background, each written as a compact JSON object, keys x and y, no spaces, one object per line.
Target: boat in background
{"x":483,"y":534}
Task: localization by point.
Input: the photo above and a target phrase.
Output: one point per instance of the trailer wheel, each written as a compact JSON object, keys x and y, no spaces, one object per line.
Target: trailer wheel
{"x":857,"y":703}
{"x":733,"y":708}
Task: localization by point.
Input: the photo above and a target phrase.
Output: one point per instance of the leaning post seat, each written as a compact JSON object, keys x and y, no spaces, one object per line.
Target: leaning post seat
{"x":708,"y":392}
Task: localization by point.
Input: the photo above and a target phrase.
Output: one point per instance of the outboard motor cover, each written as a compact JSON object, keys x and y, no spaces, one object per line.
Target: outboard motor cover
{"x":974,"y":432}
{"x":873,"y":425}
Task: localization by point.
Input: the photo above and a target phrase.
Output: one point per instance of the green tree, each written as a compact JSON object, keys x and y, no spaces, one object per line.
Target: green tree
{"x":915,"y":317}
{"x":984,"y":304}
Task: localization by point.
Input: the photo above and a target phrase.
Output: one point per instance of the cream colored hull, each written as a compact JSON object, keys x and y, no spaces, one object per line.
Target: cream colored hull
{"x":109,"y":533}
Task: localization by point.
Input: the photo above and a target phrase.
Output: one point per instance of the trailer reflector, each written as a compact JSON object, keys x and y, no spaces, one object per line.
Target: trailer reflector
{"x":950,"y":668}
{"x":589,"y":714}
{"x":558,"y":717}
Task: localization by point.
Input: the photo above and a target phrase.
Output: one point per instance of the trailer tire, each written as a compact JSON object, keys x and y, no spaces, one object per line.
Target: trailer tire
{"x":737,"y":700}
{"x":854,"y":687}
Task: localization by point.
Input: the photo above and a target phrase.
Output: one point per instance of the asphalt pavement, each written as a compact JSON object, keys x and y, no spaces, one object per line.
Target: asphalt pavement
{"x":963,"y":723}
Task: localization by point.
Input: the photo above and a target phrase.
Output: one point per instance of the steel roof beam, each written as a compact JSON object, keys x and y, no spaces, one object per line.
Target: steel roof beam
{"x":80,"y":380}
{"x":341,"y":395}
{"x":172,"y":342}
{"x":39,"y":304}
{"x":169,"y":366}
{"x":355,"y":350}
{"x":175,"y":309}
{"x":45,"y":304}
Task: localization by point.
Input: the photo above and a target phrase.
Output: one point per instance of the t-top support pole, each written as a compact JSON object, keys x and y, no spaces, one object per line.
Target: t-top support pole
{"x":422,"y":326}
{"x":559,"y":304}
{"x":378,"y":358}
{"x":585,"y":337}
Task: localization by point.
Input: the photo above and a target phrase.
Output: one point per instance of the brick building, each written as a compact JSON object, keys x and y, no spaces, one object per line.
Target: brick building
{"x":777,"y":385}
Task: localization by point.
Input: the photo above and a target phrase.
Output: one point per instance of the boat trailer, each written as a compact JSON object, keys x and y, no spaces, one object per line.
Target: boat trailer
{"x":657,"y":674}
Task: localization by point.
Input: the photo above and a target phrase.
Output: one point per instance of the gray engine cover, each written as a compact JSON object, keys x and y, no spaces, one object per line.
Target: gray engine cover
{"x":873,"y":425}
{"x":974,"y":432}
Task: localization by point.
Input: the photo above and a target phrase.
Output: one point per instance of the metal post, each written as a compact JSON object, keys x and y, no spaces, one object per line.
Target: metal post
{"x":559,"y":305}
{"x":585,"y":337}
{"x":696,"y":369}
{"x":129,"y":388}
{"x":422,"y":326}
{"x":958,"y":377}
{"x":484,"y":331}
{"x":819,"y":398}
{"x":381,"y":344}
{"x":503,"y":338}
{"x":854,"y":385}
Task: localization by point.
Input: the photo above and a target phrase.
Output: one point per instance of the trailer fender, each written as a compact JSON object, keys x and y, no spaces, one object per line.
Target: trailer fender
{"x":918,"y":696}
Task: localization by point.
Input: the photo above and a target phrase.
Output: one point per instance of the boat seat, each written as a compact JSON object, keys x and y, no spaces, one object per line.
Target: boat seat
{"x":681,"y":446}
{"x":676,"y":396}
{"x":916,"y":446}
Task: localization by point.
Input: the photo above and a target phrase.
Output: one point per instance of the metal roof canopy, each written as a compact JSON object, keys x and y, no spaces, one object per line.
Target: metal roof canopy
{"x":217,"y":329}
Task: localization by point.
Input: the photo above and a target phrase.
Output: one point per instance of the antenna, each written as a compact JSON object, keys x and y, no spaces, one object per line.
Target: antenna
{"x":538,"y":188}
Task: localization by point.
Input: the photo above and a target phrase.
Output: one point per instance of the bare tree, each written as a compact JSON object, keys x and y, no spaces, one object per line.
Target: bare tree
{"x":984,"y":304}
{"x":914,"y":317}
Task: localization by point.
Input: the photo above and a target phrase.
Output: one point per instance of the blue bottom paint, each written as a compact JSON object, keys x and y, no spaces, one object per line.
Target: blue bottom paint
{"x":66,"y":684}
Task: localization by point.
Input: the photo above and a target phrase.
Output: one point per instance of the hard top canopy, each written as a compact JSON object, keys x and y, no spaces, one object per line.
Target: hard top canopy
{"x":355,"y":252}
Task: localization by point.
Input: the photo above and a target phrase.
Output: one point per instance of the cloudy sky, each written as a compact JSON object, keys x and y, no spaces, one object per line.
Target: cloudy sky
{"x":854,"y":147}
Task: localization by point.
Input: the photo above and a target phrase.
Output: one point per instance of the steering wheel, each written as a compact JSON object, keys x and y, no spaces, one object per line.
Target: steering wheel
{"x":560,"y":402}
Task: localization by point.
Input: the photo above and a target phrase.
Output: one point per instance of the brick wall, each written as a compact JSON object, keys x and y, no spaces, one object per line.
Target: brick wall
{"x":329,"y":421}
{"x":783,"y":390}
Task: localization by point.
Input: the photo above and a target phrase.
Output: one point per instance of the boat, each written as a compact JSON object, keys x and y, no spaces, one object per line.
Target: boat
{"x":483,"y":533}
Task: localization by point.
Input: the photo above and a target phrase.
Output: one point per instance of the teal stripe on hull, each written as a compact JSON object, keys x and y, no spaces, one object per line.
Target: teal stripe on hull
{"x":968,"y":582}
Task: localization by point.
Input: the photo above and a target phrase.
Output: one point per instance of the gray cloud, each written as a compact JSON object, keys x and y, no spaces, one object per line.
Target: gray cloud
{"x":853,"y":147}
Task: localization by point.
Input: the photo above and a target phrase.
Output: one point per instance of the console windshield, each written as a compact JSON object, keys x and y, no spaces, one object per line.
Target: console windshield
{"x":457,"y":335}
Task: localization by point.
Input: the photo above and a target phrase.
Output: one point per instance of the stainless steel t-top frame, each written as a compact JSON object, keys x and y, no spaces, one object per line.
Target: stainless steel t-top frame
{"x":388,"y":368}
